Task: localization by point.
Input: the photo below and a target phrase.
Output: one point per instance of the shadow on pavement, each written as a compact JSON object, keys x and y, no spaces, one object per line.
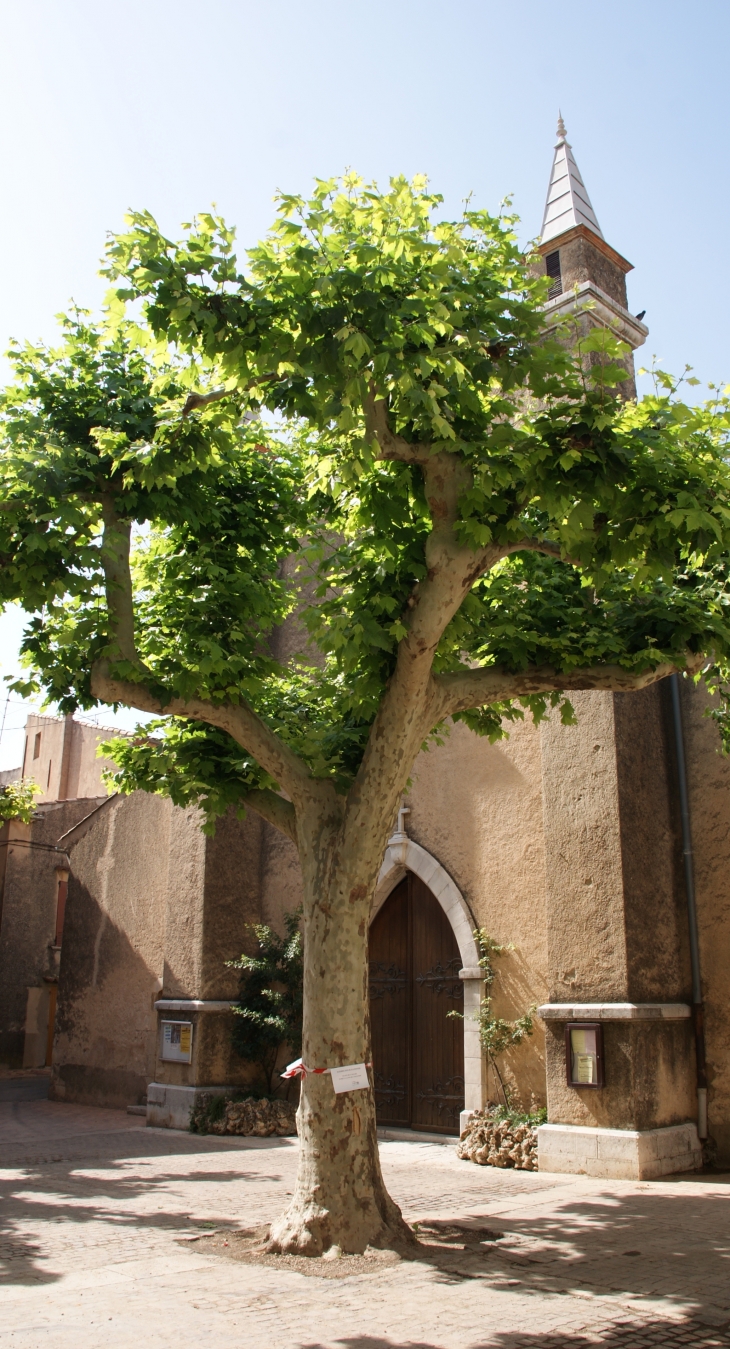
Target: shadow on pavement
{"x":652,"y":1333}
{"x":652,"y":1244}
{"x":44,"y":1180}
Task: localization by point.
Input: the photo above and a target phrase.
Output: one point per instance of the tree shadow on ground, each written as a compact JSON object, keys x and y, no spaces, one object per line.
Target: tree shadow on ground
{"x":646,"y":1245}
{"x":650,"y":1333}
{"x":52,"y":1191}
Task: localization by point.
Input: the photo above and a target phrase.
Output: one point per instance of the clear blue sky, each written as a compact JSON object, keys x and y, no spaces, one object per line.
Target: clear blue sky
{"x":171,"y":105}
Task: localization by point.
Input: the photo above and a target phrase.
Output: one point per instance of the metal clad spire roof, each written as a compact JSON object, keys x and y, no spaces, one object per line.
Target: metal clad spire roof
{"x":568,"y":203}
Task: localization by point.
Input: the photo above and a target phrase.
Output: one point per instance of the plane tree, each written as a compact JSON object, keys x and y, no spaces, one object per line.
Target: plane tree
{"x":479,"y":527}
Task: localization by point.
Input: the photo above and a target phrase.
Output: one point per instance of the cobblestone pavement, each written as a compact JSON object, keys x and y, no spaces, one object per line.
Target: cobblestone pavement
{"x":94,"y":1205}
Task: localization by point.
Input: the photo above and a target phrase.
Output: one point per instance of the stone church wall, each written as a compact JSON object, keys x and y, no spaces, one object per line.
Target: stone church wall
{"x":113,"y":954}
{"x":708,"y":773}
{"x":477,"y":808}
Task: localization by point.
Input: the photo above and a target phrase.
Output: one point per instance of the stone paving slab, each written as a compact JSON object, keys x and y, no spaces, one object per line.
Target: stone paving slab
{"x":94,"y":1205}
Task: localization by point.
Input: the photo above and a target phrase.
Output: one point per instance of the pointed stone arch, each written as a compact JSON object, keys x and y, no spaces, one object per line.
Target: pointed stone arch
{"x":402,"y":855}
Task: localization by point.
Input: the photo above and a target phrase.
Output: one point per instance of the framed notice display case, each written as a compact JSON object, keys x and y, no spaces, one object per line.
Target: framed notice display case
{"x":584,"y":1054}
{"x":177,"y":1041}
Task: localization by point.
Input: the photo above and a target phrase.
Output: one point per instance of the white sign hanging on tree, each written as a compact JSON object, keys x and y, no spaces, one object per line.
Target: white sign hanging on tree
{"x":354,"y":1077}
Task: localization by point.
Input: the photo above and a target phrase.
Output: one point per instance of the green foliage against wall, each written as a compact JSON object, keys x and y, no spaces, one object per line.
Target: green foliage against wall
{"x":17,"y":801}
{"x":269,"y":1010}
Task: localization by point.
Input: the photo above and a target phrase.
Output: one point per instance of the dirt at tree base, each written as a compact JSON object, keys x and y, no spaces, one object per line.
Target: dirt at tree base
{"x":248,"y":1246}
{"x":444,"y":1245}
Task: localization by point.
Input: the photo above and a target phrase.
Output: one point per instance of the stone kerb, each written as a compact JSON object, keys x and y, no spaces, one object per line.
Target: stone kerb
{"x":403,"y":855}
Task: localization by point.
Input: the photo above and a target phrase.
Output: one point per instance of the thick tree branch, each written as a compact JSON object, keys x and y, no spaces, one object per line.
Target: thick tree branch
{"x":247,"y":729}
{"x":199,"y":400}
{"x":542,"y":546}
{"x":391,"y":446}
{"x":275,"y":810}
{"x":115,"y":547}
{"x":459,"y":692}
{"x":241,"y":722}
{"x":409,"y":708}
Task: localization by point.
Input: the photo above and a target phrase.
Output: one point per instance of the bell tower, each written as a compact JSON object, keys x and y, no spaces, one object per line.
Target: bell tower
{"x":587,"y":275}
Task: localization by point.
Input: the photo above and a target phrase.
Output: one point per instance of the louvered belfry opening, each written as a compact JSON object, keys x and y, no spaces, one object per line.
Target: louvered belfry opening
{"x":552,"y":267}
{"x":418,"y":1050}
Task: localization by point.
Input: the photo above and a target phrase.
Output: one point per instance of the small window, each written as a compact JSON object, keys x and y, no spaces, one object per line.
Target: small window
{"x":552,"y":268}
{"x":48,"y":779}
{"x":61,"y":905}
{"x":37,"y":746}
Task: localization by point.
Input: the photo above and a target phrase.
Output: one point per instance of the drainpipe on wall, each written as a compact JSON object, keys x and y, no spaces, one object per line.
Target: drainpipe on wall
{"x":694,"y":943}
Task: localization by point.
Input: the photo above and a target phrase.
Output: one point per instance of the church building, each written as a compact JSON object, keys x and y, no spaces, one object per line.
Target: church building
{"x":597,"y":855}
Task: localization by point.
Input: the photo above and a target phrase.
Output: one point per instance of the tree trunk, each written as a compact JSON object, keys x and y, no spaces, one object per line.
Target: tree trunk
{"x":340,"y":1198}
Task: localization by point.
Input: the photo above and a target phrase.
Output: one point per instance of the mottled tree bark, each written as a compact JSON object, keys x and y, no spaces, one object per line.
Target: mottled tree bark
{"x":340,"y":1198}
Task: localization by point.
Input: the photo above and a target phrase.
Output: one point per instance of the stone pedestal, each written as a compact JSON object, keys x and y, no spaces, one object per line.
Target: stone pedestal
{"x":619,"y":1154}
{"x":617,"y":939}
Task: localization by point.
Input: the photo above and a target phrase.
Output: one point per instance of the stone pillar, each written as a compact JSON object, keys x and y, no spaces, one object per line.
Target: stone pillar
{"x":617,"y":940}
{"x":213,"y":893}
{"x":475,"y":1063}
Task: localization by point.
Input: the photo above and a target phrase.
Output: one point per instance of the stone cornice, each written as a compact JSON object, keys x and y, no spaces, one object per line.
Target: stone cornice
{"x":193,"y":1005}
{"x":582,"y":232}
{"x":615,"y":1011}
{"x":607,"y":311}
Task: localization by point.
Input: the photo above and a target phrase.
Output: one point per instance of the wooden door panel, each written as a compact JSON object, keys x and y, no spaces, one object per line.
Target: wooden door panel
{"x":390,"y":1008}
{"x":418,"y":1052}
{"x":437,"y":1079}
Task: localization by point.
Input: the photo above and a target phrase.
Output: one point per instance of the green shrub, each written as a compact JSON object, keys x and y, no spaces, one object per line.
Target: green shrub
{"x":269,"y":1010}
{"x":17,"y":800}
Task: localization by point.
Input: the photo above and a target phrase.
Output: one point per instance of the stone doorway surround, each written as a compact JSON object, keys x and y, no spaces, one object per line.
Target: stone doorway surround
{"x":402,"y":855}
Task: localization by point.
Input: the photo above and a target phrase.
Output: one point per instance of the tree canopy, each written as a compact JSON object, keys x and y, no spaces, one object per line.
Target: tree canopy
{"x":292,"y":406}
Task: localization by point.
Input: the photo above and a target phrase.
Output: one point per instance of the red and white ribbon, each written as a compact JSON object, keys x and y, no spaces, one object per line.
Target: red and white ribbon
{"x":299,"y":1069}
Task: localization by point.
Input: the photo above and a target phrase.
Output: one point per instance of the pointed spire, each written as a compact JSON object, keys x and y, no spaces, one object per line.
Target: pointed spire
{"x":568,"y":203}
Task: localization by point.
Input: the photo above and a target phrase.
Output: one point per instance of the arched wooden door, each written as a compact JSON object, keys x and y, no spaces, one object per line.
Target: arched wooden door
{"x":418,"y":1052}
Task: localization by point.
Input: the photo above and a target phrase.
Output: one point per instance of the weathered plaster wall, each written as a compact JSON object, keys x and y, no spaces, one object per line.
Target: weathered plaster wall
{"x":29,"y":862}
{"x":281,"y":877}
{"x":232,"y":900}
{"x":184,"y":899}
{"x":648,"y":1085}
{"x":84,"y":768}
{"x":43,"y":756}
{"x":708,"y":773}
{"x":112,"y":957}
{"x":655,"y":903}
{"x":585,"y":918}
{"x":478,"y":809}
{"x":213,"y":893}
{"x":616,"y":910}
